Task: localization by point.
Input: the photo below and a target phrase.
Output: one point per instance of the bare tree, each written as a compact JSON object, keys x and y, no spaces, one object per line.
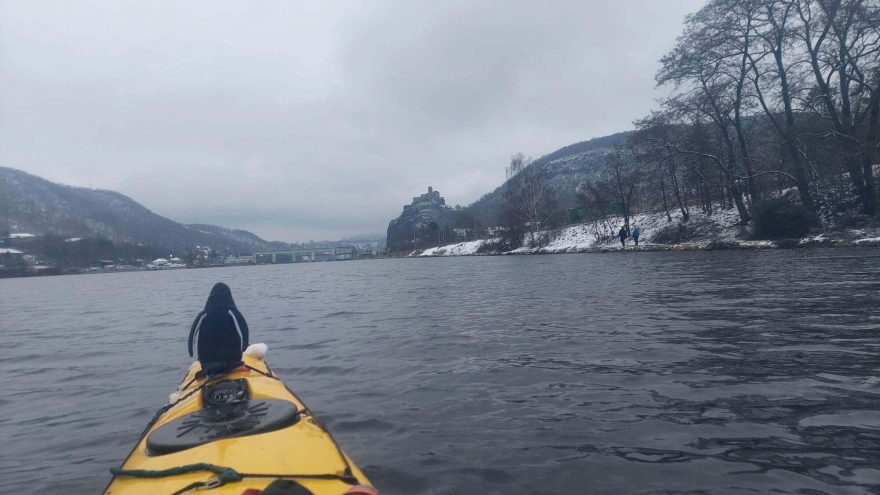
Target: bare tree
{"x":624,"y":177}
{"x":529,"y":203}
{"x":772,"y":68}
{"x":595,"y":198}
{"x":699,"y":67}
{"x":841,"y":39}
{"x":661,"y":164}
{"x":518,"y":163}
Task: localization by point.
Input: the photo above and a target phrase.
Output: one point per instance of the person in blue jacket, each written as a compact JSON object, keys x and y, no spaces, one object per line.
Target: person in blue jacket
{"x":635,"y":234}
{"x":219,"y":333}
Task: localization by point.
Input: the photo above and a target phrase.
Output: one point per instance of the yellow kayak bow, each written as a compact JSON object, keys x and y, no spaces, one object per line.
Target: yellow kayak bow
{"x":237,"y":434}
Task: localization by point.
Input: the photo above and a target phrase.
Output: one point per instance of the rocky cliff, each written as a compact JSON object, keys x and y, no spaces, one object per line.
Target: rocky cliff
{"x":424,"y":223}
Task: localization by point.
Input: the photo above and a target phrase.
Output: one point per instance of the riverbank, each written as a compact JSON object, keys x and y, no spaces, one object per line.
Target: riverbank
{"x":44,"y":271}
{"x":702,"y":232}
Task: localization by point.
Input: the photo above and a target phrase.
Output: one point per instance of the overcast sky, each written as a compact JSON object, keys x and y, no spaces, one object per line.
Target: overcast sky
{"x":315,"y":120}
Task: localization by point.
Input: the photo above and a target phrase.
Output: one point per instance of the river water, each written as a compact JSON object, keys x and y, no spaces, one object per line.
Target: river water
{"x":702,"y":372}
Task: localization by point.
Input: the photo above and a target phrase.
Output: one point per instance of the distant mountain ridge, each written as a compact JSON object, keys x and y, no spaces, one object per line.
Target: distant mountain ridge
{"x":564,"y":170}
{"x":31,"y":204}
{"x":237,"y":235}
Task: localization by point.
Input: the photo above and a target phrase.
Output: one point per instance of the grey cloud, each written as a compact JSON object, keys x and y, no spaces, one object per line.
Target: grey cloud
{"x":314,"y":119}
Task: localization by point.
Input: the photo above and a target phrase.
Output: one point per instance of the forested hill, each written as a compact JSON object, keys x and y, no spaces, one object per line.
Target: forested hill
{"x":244,"y":237}
{"x":31,"y":204}
{"x":563,"y":170}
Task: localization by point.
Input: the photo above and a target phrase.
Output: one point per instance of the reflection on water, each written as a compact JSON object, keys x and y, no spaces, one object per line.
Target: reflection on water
{"x":736,"y":372}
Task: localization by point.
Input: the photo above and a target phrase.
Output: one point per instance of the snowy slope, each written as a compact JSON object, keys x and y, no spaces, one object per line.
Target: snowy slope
{"x":720,"y":229}
{"x":460,"y":249}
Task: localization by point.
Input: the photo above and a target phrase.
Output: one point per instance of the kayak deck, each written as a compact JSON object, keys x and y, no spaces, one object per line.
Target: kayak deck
{"x":303,"y":451}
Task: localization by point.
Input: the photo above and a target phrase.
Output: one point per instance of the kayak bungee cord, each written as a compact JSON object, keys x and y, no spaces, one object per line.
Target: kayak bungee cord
{"x":162,"y":410}
{"x":223,"y":475}
{"x":311,"y":417}
{"x":306,"y":412}
{"x":167,"y":407}
{"x":226,"y":474}
{"x":268,"y":375}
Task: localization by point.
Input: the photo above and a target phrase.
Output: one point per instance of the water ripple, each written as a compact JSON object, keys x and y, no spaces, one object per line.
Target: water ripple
{"x":734,"y":372}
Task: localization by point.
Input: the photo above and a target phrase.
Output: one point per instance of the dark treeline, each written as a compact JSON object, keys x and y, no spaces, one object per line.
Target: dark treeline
{"x":766,"y":96}
{"x":86,"y":252}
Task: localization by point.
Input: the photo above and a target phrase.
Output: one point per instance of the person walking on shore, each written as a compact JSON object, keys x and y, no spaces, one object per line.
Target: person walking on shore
{"x":636,"y":234}
{"x":622,"y":235}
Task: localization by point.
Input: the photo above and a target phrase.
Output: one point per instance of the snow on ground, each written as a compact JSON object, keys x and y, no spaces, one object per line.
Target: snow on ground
{"x":583,"y":236}
{"x":460,"y":249}
{"x":868,"y":241}
{"x":723,"y":226}
{"x":814,"y":239}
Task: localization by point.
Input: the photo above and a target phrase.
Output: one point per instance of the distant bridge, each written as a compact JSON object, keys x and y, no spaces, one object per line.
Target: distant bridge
{"x":338,"y":253}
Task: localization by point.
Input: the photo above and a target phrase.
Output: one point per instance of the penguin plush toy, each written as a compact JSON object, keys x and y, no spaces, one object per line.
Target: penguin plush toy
{"x":219,"y":333}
